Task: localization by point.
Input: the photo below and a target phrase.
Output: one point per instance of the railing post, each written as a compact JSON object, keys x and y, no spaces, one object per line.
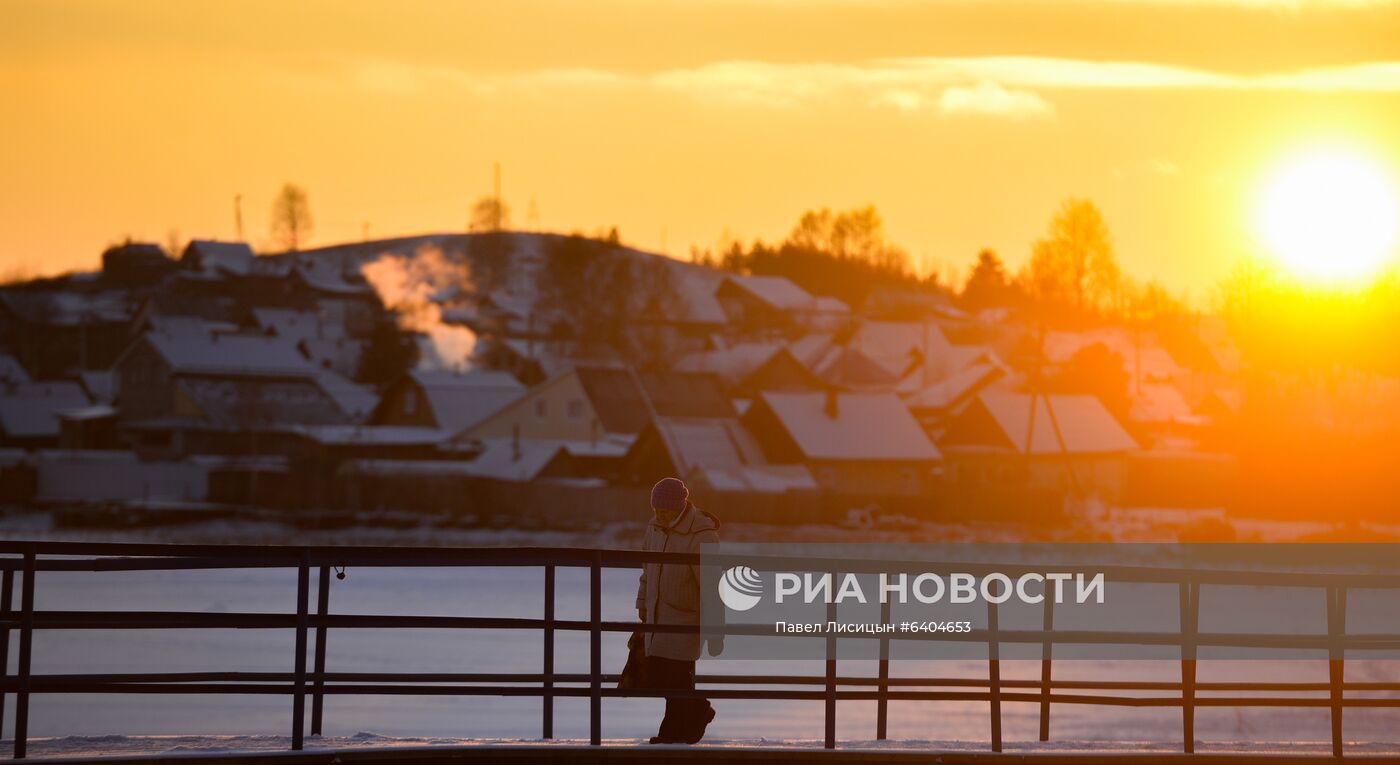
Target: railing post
{"x":1336,"y":657}
{"x":299,"y":684}
{"x":882,"y":704}
{"x":994,"y":673}
{"x":830,"y":742}
{"x":323,"y":608}
{"x":7,"y":591}
{"x":1189,"y":596}
{"x":1046,"y":649}
{"x":548,"y":692}
{"x":595,"y":649}
{"x":26,"y":647}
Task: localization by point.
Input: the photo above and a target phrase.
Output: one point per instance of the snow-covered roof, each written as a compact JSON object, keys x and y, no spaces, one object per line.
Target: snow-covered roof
{"x":272,"y":402}
{"x":898,"y":345}
{"x":777,"y":292}
{"x":1159,"y":403}
{"x":828,"y":304}
{"x":708,"y":442}
{"x":1083,"y":422}
{"x":100,"y":384}
{"x":355,"y":400}
{"x":956,"y":387}
{"x":731,"y":364}
{"x":230,"y":355}
{"x":371,"y":435}
{"x":211,"y":256}
{"x":513,"y":460}
{"x":459,"y":401}
{"x":30,"y":410}
{"x":11,"y":370}
{"x":864,"y":426}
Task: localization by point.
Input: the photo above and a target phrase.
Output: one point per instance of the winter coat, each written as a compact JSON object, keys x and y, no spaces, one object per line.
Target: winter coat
{"x":670,"y":592}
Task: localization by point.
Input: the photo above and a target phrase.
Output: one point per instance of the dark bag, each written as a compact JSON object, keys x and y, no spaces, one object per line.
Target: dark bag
{"x":633,"y":671}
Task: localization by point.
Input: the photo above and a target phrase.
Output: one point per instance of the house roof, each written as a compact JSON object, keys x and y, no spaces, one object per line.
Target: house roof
{"x":776,"y":291}
{"x":621,"y":408}
{"x":731,"y":364}
{"x":355,"y":400}
{"x":1083,"y":422}
{"x":229,"y":355}
{"x":956,"y":388}
{"x":371,"y":435}
{"x":231,"y":403}
{"x":695,"y":442}
{"x":1159,"y":403}
{"x":459,"y":401}
{"x":897,"y":345}
{"x":866,"y":426}
{"x":30,"y":410}
{"x":212,"y":256}
{"x":11,"y":370}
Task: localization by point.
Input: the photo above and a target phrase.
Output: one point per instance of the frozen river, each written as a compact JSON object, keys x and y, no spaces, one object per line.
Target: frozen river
{"x":518,"y":592}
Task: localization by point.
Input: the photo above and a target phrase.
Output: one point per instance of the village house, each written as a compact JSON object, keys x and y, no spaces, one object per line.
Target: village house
{"x":1061,"y":443}
{"x":30,"y":412}
{"x":447,"y":402}
{"x":196,"y":392}
{"x":776,"y":307}
{"x":855,"y":444}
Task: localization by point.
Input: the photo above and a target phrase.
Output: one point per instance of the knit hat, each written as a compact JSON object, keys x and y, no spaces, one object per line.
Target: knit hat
{"x":669,"y":494}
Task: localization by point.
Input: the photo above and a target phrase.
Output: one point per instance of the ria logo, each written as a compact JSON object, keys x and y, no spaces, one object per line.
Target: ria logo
{"x":740,"y":588}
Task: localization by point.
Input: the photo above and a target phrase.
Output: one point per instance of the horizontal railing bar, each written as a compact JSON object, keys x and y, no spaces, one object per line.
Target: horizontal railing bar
{"x":579,"y":677}
{"x":711,"y":693}
{"x":283,"y":556}
{"x":248,"y":620}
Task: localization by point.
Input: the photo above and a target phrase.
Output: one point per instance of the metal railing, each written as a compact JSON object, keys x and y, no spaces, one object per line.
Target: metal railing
{"x":28,"y":559}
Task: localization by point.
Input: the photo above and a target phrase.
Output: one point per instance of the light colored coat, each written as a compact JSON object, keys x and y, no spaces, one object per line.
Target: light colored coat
{"x":670,"y":592}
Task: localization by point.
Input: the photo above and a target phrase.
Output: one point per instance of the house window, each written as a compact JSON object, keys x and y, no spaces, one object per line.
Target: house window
{"x":410,"y":401}
{"x":575,"y":408}
{"x":541,"y":408}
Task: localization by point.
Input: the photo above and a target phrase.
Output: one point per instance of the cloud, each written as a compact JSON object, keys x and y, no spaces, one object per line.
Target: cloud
{"x":1014,"y":87}
{"x":991,"y":99}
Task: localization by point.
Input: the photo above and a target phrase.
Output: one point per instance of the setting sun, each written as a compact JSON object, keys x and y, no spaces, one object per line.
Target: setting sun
{"x":1329,"y":215}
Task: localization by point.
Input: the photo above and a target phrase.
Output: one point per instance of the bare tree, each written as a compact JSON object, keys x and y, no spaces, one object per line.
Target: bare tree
{"x":489,"y":214}
{"x":291,"y":216}
{"x":1074,"y":263}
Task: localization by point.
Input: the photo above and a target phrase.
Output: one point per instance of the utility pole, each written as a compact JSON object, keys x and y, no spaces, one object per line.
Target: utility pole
{"x":238,"y":215}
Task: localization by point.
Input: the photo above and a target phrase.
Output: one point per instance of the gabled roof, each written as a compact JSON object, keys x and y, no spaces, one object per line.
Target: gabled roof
{"x":957,"y":388}
{"x":897,"y":345}
{"x":731,"y":364}
{"x":620,"y":405}
{"x":709,"y":442}
{"x":30,"y":410}
{"x":1159,"y":403}
{"x":459,"y":401}
{"x":1083,"y":422}
{"x":229,"y":355}
{"x":211,"y":256}
{"x":355,"y":400}
{"x":777,"y":292}
{"x":11,"y":370}
{"x":865,"y":426}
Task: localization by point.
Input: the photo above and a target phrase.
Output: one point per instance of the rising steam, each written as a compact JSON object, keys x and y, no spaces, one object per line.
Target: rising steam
{"x":414,"y":288}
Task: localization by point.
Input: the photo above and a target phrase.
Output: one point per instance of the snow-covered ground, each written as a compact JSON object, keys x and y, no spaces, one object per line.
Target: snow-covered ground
{"x":264,"y":721}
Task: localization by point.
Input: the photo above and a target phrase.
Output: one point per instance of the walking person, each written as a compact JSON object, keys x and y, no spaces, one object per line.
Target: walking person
{"x":670,"y":594}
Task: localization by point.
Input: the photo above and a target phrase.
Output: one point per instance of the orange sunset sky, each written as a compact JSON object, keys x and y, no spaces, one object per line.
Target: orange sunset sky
{"x":964,"y":121}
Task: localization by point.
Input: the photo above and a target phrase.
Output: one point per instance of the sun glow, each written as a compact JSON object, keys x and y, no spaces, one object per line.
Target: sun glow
{"x":1330,"y":215}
